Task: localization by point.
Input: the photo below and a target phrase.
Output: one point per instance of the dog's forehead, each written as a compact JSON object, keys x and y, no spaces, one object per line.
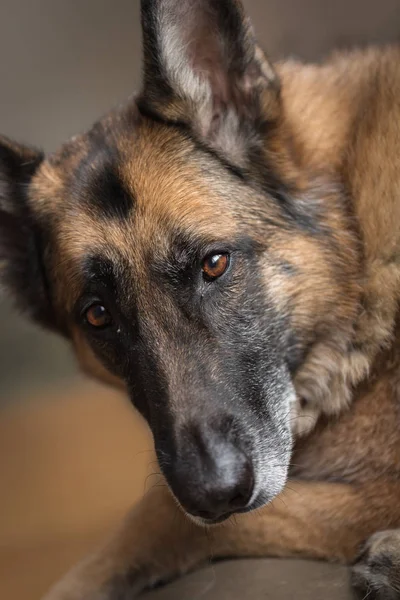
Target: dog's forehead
{"x":175,"y":183}
{"x":143,"y":176}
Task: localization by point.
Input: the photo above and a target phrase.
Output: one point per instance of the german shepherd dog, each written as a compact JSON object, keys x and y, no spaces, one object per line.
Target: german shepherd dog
{"x":227,"y":247}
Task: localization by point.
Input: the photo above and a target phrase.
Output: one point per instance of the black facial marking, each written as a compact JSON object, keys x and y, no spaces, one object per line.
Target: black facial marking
{"x":302,"y":219}
{"x":110,"y":196}
{"x":105,"y":281}
{"x":98,"y":184}
{"x":99,"y":268}
{"x":101,"y":283}
{"x":295,"y":214}
{"x":111,"y":278}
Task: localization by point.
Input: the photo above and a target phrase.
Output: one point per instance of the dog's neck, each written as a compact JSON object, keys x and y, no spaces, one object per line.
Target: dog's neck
{"x":341,"y":137}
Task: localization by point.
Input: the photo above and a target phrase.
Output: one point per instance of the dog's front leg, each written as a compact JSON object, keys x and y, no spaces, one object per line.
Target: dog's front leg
{"x":155,"y":542}
{"x":158,"y":542}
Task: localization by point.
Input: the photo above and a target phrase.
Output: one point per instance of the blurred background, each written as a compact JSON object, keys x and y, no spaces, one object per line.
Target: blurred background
{"x":73,"y":455}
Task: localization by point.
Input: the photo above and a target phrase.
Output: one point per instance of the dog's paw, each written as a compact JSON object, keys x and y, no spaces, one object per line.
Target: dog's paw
{"x":376,"y":574}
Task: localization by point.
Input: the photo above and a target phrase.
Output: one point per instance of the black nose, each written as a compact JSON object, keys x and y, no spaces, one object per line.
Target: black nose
{"x":225,"y":491}
{"x":213,"y":477}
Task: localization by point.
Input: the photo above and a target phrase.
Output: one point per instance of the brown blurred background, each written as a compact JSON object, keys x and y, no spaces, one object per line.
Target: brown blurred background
{"x":74,"y":456}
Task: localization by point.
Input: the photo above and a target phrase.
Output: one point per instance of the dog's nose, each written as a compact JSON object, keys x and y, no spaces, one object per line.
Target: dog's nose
{"x":228,"y":489}
{"x":215,"y":479}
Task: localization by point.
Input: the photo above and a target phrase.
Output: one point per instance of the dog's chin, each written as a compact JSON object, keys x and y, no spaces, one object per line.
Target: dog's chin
{"x":261,"y":497}
{"x":258,"y":503}
{"x":207,"y":522}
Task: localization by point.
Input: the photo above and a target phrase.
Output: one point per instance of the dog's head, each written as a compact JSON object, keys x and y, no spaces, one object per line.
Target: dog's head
{"x":178,"y":245}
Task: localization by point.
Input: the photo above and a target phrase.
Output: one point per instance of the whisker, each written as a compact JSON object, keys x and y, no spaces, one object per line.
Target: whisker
{"x":145,"y":491}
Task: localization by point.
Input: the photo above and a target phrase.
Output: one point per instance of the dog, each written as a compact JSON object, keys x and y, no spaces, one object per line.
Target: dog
{"x":226,"y":248}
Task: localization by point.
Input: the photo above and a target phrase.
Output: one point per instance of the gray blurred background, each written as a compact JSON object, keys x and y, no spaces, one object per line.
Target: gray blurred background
{"x":65,"y":62}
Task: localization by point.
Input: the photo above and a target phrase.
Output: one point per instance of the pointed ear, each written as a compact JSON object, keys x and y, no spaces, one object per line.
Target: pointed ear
{"x":21,"y":235}
{"x":202,"y":66}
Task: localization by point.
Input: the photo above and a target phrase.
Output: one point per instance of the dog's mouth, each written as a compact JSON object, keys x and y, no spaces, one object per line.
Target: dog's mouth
{"x":206,"y":509}
{"x":206,"y":521}
{"x":213,"y":483}
{"x":210,"y":522}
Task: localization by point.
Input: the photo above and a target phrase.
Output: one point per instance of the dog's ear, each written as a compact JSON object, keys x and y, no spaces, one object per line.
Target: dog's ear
{"x":202,"y":66}
{"x":21,"y":234}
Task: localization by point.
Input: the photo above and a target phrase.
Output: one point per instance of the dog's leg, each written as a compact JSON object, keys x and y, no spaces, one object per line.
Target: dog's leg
{"x":158,"y":542}
{"x":377,"y":570}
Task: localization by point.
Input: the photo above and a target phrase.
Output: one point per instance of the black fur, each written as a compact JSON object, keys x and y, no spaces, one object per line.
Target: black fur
{"x":97,"y":184}
{"x":23,"y":239}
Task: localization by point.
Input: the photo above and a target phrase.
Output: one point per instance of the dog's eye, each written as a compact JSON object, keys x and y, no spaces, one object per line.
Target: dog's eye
{"x":215,"y":265}
{"x":98,"y":316}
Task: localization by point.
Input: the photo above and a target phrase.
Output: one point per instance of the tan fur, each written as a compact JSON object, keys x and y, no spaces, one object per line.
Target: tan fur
{"x":89,"y":363}
{"x":352,"y":128}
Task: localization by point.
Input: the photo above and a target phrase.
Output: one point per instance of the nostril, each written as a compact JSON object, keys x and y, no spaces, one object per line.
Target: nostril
{"x":236,"y":500}
{"x":244,"y":489}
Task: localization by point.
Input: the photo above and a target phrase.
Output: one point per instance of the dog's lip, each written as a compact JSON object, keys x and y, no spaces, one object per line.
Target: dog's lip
{"x":226,"y":516}
{"x":209,"y":522}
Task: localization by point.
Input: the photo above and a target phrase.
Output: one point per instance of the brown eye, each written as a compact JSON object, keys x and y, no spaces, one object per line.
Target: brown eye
{"x":98,"y":316}
{"x":215,"y":265}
